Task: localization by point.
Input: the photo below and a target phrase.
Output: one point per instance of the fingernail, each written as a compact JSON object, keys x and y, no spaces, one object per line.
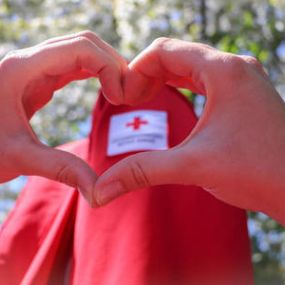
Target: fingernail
{"x":110,"y":192}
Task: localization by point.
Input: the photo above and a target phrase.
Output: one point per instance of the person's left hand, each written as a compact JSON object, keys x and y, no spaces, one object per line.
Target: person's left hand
{"x":236,"y":151}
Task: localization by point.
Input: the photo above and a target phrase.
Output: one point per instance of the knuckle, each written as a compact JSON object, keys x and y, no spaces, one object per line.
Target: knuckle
{"x":242,"y":65}
{"x":235,"y":66}
{"x":254,"y":63}
{"x":160,"y":43}
{"x":10,"y":62}
{"x":158,"y":47}
{"x":250,"y":60}
{"x":64,"y":175}
{"x":234,"y":62}
{"x":82,"y":42}
{"x":138,"y":174}
{"x":88,"y":34}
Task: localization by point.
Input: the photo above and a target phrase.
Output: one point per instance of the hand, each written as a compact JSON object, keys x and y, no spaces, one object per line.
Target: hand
{"x":236,"y":151}
{"x":28,"y":79}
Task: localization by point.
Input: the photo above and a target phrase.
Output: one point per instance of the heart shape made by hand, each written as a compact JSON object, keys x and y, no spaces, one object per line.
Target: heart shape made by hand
{"x":235,"y":151}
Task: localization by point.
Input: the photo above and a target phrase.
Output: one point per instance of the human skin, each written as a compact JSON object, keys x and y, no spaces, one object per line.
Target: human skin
{"x":28,"y":79}
{"x":236,"y":151}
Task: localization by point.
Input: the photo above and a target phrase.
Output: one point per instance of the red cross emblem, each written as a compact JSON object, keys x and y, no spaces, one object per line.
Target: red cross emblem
{"x":136,"y":123}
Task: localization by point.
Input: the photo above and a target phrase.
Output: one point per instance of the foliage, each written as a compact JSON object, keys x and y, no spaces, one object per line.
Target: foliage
{"x":245,"y":27}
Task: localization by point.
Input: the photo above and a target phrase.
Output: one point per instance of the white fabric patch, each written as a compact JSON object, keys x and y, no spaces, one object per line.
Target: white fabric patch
{"x":137,"y":130}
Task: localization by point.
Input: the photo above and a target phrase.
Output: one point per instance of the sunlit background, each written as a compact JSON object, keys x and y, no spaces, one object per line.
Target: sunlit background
{"x":245,"y":27}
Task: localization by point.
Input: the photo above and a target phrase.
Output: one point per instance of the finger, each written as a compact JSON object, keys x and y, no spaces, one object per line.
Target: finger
{"x":95,"y":39}
{"x":175,"y":62}
{"x":98,"y":42}
{"x":71,"y":56}
{"x":60,"y":166}
{"x":138,"y":88}
{"x":254,"y":62}
{"x":144,"y":170}
{"x":25,"y":155}
{"x":183,"y":64}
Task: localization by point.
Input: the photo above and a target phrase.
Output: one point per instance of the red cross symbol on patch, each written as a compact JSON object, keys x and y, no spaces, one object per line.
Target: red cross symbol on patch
{"x":137,"y":131}
{"x":137,"y":123}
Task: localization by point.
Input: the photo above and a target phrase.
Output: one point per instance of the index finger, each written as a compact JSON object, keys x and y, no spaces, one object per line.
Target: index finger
{"x":171,"y":61}
{"x":93,"y":38}
{"x":67,"y":57}
{"x":195,"y":66}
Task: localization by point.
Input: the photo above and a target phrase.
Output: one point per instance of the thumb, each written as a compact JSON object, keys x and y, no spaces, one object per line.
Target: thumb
{"x":144,"y":170}
{"x":60,"y":166}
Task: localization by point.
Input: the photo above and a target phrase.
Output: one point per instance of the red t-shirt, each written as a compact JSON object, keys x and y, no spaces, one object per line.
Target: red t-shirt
{"x":164,"y":235}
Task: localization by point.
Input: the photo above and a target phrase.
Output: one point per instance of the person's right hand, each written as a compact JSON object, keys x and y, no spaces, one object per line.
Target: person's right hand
{"x":28,"y":79}
{"x":236,"y":151}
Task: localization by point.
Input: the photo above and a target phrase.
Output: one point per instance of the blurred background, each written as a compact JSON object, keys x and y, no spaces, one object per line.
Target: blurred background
{"x":245,"y":27}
